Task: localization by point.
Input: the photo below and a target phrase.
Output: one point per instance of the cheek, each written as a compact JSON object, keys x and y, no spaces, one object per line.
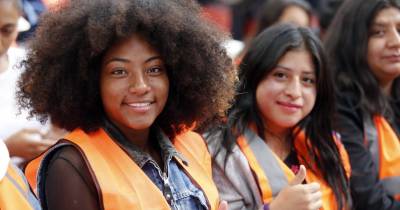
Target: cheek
{"x":9,"y":39}
{"x":375,"y":48}
{"x":310,"y":96}
{"x":109,"y":92}
{"x":161,"y":87}
{"x":264,"y":95}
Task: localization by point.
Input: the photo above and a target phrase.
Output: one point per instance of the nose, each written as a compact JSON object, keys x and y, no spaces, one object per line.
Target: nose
{"x":139,"y":84}
{"x":293,"y":88}
{"x":394,"y":39}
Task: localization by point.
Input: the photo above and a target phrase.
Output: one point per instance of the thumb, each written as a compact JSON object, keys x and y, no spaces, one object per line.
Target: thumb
{"x":223,"y":205}
{"x":300,"y":176}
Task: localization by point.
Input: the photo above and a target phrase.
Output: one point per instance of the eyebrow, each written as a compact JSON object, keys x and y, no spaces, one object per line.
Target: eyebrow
{"x":289,"y":69}
{"x":384,"y":22}
{"x":124,"y":60}
{"x":9,"y":25}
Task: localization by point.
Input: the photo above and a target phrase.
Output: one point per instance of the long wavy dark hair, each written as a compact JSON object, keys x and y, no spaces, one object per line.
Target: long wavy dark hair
{"x":347,"y":45}
{"x":262,"y":57}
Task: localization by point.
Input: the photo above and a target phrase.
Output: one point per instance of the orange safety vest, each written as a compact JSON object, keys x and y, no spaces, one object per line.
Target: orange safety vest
{"x":121,"y":183}
{"x":15,"y":193}
{"x":272,"y":174}
{"x":384,"y":146}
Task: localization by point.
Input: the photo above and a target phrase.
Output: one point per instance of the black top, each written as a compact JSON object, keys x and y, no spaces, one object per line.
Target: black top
{"x":77,"y":189}
{"x":367,"y":191}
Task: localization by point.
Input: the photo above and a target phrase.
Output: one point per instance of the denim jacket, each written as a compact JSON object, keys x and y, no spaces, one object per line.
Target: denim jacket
{"x":177,"y":187}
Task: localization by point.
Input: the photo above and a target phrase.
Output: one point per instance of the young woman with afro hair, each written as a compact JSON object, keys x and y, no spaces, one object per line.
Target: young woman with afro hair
{"x":129,"y":79}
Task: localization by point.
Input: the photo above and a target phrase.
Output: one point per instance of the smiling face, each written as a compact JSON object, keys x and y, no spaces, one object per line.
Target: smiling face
{"x":383,"y":54}
{"x":133,"y":84}
{"x":288,"y":93}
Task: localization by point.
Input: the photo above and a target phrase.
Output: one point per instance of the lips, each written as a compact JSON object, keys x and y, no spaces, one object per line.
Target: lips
{"x":392,"y":58}
{"x":139,"y":106}
{"x":289,"y":106}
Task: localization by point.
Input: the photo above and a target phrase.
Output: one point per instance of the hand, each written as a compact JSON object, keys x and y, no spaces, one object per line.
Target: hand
{"x":297,"y":195}
{"x":55,"y":133}
{"x":223,"y":205}
{"x":27,"y":143}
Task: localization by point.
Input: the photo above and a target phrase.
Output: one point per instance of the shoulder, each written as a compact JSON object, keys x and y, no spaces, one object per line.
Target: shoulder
{"x":347,"y":98}
{"x":214,"y":141}
{"x":68,"y":162}
{"x":66,"y":155}
{"x":190,"y":139}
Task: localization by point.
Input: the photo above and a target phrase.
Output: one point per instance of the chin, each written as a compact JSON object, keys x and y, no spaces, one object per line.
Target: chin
{"x":289,"y":123}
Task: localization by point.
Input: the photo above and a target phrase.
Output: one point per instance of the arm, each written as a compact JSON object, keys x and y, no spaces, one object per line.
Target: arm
{"x":68,"y":184}
{"x":367,"y":191}
{"x":27,"y":143}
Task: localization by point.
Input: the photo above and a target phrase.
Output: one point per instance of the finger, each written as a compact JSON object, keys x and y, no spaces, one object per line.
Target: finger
{"x":47,"y":142}
{"x":316,"y":205}
{"x":300,"y":176}
{"x":32,"y":131}
{"x":223,"y":205}
{"x":316,"y":196}
{"x":43,"y":143}
{"x":312,"y":187}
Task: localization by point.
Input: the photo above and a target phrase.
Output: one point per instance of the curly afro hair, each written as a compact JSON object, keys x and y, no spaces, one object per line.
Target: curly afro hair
{"x":61,"y":81}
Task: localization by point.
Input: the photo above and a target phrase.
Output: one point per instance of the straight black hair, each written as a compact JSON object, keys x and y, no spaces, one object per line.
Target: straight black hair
{"x":263,"y":55}
{"x":347,"y":45}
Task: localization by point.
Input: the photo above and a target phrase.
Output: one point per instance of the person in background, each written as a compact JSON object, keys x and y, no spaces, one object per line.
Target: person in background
{"x":297,"y":12}
{"x":130,"y":81}
{"x":277,"y":149}
{"x":363,"y":43}
{"x":25,"y":138}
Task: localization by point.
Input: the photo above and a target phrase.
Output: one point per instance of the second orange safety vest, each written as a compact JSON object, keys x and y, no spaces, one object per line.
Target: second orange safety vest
{"x":272,"y":174}
{"x":122,"y":184}
{"x":384,"y":146}
{"x":15,"y":192}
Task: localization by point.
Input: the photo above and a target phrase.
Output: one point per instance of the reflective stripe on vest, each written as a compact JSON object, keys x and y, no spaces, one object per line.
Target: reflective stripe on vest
{"x":267,"y":167}
{"x":15,"y":193}
{"x":384,"y":146}
{"x":272,"y":174}
{"x":121,"y":183}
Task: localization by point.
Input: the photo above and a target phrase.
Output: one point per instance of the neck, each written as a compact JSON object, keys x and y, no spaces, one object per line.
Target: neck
{"x":386,"y":87}
{"x":140,"y":138}
{"x":279,"y":142}
{"x":4,"y":63}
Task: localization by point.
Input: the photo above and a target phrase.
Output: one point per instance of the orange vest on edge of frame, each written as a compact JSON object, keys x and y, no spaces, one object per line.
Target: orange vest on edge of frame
{"x":272,"y":174}
{"x":130,"y":188}
{"x":384,"y":146}
{"x":15,"y":192}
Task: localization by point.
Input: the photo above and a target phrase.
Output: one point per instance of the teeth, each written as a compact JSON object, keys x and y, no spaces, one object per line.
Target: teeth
{"x":140,"y":104}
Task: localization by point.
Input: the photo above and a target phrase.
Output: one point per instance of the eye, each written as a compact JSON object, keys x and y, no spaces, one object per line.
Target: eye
{"x":309,"y":80}
{"x":279,"y":75}
{"x":156,"y":70}
{"x":119,"y":72}
{"x":6,"y":31}
{"x":377,"y":32}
